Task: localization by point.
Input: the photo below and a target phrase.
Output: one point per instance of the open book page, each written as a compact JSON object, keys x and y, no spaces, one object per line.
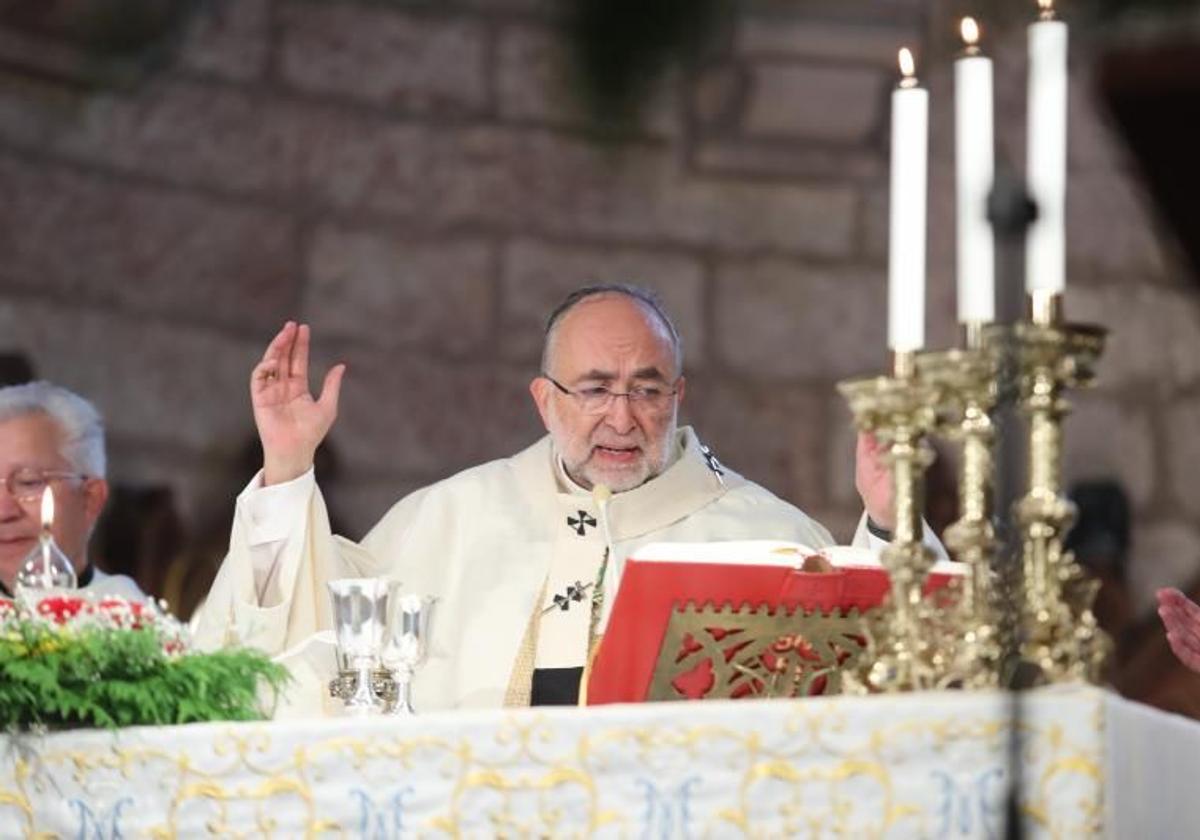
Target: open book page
{"x":769,"y":553}
{"x":717,"y":582}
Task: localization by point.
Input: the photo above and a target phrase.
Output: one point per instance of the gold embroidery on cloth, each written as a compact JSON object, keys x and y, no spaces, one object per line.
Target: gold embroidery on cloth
{"x":817,"y":772}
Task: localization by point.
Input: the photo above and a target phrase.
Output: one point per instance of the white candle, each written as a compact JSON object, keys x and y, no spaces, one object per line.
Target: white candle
{"x":906,"y":241}
{"x":1046,"y":159}
{"x":974,"y":160}
{"x":47,"y":524}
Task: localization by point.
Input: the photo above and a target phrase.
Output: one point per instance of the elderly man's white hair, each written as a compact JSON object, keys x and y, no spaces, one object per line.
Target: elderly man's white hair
{"x":80,"y":423}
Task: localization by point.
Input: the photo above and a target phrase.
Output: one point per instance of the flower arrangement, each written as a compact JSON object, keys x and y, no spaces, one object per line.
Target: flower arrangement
{"x":69,"y":659}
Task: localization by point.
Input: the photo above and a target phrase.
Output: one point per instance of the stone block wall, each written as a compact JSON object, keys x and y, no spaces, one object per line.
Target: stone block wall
{"x":418,"y":183}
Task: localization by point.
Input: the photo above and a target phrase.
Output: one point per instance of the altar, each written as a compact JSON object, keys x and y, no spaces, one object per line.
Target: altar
{"x":912,"y":765}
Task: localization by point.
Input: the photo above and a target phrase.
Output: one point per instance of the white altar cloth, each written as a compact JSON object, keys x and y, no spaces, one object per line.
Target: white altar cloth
{"x":915,"y":765}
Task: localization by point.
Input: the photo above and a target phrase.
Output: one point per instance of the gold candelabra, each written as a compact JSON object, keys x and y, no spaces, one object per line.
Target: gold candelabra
{"x":966,"y":381}
{"x":1059,"y":632}
{"x":919,"y":643}
{"x":900,"y":410}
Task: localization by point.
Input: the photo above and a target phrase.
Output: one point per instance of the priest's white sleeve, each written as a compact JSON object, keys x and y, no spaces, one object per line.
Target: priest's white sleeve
{"x":863,"y":538}
{"x":270,"y":591}
{"x":268,"y":515}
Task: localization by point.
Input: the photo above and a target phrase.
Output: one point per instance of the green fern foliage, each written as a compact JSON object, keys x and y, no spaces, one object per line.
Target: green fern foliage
{"x":108,"y":677}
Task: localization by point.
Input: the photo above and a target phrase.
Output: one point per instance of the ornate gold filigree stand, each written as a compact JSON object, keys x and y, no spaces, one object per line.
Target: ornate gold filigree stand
{"x":966,"y":383}
{"x":759,"y":652}
{"x":383,"y":687}
{"x":900,"y":410}
{"x":1060,"y":634}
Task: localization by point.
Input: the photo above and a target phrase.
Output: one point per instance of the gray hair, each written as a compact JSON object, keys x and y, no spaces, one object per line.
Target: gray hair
{"x":645,"y":297}
{"x":80,"y":423}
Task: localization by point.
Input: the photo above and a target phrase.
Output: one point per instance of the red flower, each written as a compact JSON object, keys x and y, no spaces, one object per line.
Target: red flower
{"x":61,"y":609}
{"x":123,"y":612}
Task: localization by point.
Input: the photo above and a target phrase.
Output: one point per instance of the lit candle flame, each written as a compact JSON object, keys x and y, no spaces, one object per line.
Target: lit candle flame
{"x":908,"y":67}
{"x":970,"y":31}
{"x":47,"y":508}
{"x":1046,"y":9}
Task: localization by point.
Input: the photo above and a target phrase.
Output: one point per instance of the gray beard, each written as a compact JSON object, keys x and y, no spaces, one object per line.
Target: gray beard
{"x":576,"y":475}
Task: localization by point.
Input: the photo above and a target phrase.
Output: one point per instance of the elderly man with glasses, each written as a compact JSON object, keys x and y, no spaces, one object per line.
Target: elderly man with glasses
{"x":512,"y":548}
{"x":51,"y":437}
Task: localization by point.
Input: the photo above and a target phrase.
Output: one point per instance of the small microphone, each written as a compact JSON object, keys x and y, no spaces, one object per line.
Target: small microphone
{"x":601,"y":604}
{"x":609,"y":568}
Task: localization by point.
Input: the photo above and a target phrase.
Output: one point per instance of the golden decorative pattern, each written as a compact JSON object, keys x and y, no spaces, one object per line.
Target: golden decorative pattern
{"x":1042,"y":610}
{"x":710,"y":651}
{"x":912,"y":765}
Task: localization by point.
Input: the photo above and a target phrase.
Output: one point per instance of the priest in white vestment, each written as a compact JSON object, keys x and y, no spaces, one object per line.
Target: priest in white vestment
{"x":510,"y":548}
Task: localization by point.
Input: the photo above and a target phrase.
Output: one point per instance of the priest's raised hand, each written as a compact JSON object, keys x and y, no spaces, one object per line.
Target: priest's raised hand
{"x":291,"y":424}
{"x":873,"y":480}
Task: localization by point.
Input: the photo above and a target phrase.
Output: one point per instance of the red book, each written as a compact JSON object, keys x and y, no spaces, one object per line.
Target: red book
{"x":664,"y":576}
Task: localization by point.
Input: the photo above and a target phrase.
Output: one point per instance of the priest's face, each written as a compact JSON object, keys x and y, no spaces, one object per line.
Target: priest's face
{"x":31,"y":452}
{"x":610,"y":343}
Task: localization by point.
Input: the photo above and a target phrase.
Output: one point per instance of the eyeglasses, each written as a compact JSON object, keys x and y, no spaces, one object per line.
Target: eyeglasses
{"x":597,"y":399}
{"x":26,"y":484}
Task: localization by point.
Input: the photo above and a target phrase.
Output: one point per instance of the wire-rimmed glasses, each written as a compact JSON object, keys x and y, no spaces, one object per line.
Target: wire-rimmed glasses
{"x":597,"y":399}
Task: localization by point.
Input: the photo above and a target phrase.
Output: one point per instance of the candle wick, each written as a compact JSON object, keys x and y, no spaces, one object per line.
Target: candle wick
{"x":908,"y":82}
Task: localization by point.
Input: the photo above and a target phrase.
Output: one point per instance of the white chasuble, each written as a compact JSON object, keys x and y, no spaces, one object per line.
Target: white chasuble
{"x":494,"y":544}
{"x":566,"y":607}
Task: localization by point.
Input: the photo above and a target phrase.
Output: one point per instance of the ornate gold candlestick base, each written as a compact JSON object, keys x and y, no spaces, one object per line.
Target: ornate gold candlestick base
{"x":1060,"y":635}
{"x":900,"y":411}
{"x":966,"y":382}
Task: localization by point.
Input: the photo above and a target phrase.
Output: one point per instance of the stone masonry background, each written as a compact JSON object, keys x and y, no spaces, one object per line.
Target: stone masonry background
{"x":416,"y":182}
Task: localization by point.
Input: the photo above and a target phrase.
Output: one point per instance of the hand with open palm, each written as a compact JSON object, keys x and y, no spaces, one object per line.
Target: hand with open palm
{"x":1181,"y":616}
{"x":291,"y":424}
{"x":873,"y":480}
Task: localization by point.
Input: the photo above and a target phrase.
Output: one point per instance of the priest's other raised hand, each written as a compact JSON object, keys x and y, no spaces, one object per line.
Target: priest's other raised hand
{"x":1181,"y":616}
{"x":291,"y":424}
{"x":873,"y":480}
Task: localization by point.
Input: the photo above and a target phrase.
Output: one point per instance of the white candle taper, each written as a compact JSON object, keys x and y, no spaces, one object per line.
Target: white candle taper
{"x":906,"y":240}
{"x":1046,"y":160}
{"x":47,"y":524}
{"x":974,"y":161}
